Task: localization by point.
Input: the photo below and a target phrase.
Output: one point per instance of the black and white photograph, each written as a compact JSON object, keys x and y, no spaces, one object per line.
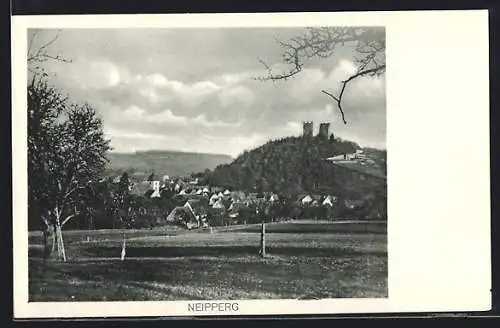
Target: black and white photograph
{"x":218,"y":166}
{"x":202,"y":164}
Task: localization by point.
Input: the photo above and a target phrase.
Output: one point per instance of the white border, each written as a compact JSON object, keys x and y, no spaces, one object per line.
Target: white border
{"x":438,"y":161}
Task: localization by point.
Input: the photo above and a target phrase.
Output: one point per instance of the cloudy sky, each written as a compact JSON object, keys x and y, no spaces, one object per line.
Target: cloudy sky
{"x":194,"y":89}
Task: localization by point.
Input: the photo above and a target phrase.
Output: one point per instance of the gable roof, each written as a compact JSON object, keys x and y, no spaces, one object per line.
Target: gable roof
{"x":302,"y":196}
{"x":218,"y":204}
{"x":328,"y":200}
{"x":197,"y":207}
{"x":237,"y":206}
{"x":181,"y":212}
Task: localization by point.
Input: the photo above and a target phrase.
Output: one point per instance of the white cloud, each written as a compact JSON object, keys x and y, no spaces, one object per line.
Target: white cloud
{"x":293,"y":128}
{"x":166,"y":117}
{"x":150,"y":94}
{"x":237,"y":95}
{"x":121,"y":134}
{"x":136,"y":119}
{"x":94,"y":75}
{"x":157,"y":80}
{"x":156,"y":88}
{"x":230,"y":79}
{"x":346,"y":67}
{"x":134,"y":113}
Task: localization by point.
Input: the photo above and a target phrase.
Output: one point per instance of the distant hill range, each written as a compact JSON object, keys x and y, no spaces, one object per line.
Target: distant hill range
{"x":173,"y":163}
{"x":297,"y":165}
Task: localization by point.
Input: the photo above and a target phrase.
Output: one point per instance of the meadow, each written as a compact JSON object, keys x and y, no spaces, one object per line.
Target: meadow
{"x":305,"y":260}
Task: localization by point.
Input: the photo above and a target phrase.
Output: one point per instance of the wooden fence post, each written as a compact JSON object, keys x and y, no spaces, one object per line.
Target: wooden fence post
{"x":263,"y":241}
{"x":124,"y":250}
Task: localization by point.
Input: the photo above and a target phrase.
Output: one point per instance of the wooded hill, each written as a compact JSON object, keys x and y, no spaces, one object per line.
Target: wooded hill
{"x":295,"y":165}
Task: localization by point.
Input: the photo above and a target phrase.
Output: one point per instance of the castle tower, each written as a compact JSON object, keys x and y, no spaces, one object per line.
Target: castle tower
{"x":307,"y":129}
{"x":323,"y":130}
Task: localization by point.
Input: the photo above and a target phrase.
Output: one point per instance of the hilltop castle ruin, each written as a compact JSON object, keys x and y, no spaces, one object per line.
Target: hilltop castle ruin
{"x":308,"y":129}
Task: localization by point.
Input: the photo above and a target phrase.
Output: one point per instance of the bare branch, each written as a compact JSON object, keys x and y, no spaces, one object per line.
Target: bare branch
{"x":338,"y":99}
{"x":322,"y":43}
{"x":339,"y":104}
{"x":31,"y":41}
{"x":69,"y":218}
{"x":46,"y":45}
{"x":41,"y":55}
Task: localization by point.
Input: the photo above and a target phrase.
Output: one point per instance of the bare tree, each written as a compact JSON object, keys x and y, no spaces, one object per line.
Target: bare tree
{"x":323,"y":42}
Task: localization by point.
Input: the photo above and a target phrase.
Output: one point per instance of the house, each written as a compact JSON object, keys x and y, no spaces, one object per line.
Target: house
{"x":197,"y":207}
{"x":193,"y":214}
{"x":329,"y":200}
{"x":227,"y":193}
{"x":317,"y":199}
{"x":237,"y":196}
{"x":218,"y":204}
{"x":274,"y":198}
{"x":360,"y":154}
{"x":156,"y":189}
{"x":181,"y":214}
{"x":237,"y":207}
{"x":305,"y":199}
{"x":213,"y":199}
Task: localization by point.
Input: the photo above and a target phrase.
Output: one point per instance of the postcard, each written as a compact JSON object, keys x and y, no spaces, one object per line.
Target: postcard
{"x":250,"y":164}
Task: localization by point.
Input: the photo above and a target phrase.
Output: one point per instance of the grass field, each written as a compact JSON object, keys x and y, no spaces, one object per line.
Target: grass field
{"x":305,"y":260}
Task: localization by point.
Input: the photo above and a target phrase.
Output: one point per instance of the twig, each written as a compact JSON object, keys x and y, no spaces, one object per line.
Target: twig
{"x":339,"y":102}
{"x":344,"y":84}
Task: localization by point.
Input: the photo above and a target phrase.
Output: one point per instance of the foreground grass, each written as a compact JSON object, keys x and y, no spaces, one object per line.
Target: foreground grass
{"x":224,"y":265}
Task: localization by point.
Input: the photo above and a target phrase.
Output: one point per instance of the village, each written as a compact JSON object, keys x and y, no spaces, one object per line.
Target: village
{"x":197,"y":202}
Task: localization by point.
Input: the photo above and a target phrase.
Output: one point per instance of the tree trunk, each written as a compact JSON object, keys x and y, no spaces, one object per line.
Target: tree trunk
{"x":58,"y":235}
{"x":54,"y":233}
{"x":60,"y":243}
{"x":263,"y":241}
